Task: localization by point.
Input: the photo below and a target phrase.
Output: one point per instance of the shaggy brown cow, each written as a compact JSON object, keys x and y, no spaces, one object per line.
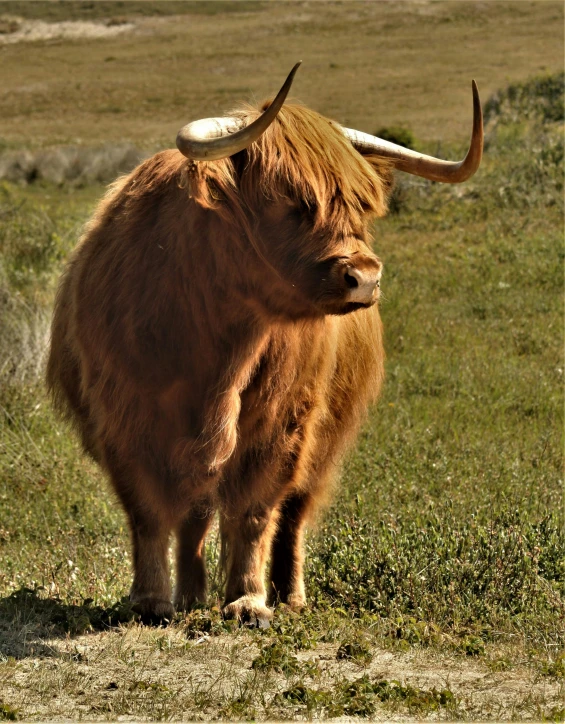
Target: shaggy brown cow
{"x":216,"y":341}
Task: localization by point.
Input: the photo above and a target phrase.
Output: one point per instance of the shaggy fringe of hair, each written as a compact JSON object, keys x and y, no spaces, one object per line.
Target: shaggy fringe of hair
{"x":285,"y":162}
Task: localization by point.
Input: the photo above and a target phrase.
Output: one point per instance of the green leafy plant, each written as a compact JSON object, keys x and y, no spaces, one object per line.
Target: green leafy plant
{"x":276,"y":656}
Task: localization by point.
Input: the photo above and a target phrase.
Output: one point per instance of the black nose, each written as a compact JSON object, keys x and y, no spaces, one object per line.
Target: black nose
{"x":351,"y":278}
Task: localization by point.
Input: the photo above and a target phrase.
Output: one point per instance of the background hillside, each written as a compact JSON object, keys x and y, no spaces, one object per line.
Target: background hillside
{"x":366,"y":64}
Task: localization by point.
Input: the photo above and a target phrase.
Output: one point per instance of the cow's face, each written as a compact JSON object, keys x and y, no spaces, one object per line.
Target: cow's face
{"x":300,"y":188}
{"x":323,"y":257}
{"x":312,"y":195}
{"x":302,"y":197}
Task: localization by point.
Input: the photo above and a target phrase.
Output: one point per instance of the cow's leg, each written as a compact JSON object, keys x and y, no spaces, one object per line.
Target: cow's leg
{"x":286,"y":580}
{"x":151,"y":589}
{"x":246,"y":540}
{"x":191,"y":567}
{"x":150,"y":531}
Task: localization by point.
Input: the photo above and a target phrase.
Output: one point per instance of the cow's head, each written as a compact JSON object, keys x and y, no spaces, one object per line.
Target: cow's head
{"x":302,"y":189}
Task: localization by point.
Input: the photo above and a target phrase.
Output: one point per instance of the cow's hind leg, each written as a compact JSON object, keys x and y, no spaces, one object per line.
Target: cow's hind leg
{"x":286,"y":580}
{"x":191,"y":567}
{"x":151,"y":589}
{"x":150,"y":532}
{"x":246,"y":540}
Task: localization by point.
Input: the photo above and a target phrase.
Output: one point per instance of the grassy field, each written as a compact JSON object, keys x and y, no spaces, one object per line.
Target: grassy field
{"x":436,"y":579}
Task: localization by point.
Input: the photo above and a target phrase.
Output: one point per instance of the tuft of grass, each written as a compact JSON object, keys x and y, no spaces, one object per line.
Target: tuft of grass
{"x":299,"y":632}
{"x":276,"y":656}
{"x":356,"y":650}
{"x":203,"y":622}
{"x":554,"y":668}
{"x":8,"y":713}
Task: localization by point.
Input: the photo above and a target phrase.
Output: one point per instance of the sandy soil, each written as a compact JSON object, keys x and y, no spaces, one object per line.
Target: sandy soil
{"x":33,"y":30}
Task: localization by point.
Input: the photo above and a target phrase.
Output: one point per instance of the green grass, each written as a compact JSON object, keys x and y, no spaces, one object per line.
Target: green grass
{"x":359,"y":698}
{"x":453,"y":500}
{"x":447,"y":534}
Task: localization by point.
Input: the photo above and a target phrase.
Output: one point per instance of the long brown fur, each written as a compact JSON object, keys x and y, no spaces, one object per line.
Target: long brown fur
{"x":203,"y":347}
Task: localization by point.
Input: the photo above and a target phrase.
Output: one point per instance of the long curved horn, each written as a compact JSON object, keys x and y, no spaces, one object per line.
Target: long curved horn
{"x":419,"y":164}
{"x":213,"y":138}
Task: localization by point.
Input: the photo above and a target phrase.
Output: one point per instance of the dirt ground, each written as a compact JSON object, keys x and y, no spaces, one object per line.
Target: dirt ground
{"x":137,"y":672}
{"x":21,"y":31}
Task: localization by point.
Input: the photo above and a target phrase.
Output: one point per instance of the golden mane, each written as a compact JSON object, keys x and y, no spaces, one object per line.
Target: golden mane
{"x":301,"y":156}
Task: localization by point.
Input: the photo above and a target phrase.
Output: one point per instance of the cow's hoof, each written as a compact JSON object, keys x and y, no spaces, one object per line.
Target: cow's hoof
{"x":250,"y":611}
{"x":154,"y":611}
{"x":296,"y":603}
{"x":255,"y":621}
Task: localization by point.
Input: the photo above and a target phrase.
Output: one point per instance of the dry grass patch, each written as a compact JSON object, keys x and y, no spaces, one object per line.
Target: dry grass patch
{"x":366,"y":64}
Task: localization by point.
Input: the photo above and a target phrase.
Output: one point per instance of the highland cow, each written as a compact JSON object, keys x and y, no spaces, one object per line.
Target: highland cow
{"x":216,"y":341}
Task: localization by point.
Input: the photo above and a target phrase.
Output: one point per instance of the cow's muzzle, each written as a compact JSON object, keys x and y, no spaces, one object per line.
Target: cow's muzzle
{"x":361,"y":276}
{"x":362,"y":284}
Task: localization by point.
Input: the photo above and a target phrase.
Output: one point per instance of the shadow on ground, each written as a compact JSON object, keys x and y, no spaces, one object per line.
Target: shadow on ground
{"x":28,"y":618}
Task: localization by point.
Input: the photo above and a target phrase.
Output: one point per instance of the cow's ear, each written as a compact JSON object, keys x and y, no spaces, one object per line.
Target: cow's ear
{"x":384,"y":169}
{"x":210,"y":184}
{"x":246,"y":180}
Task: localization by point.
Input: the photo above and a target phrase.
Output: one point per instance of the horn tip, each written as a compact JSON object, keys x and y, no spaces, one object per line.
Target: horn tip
{"x":295,"y":67}
{"x":288,"y":82}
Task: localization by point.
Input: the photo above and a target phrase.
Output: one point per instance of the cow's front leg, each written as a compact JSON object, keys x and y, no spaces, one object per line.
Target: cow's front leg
{"x":191,"y":567}
{"x":246,"y":540}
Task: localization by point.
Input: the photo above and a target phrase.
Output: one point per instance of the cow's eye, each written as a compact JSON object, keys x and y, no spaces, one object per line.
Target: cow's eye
{"x":309,"y":208}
